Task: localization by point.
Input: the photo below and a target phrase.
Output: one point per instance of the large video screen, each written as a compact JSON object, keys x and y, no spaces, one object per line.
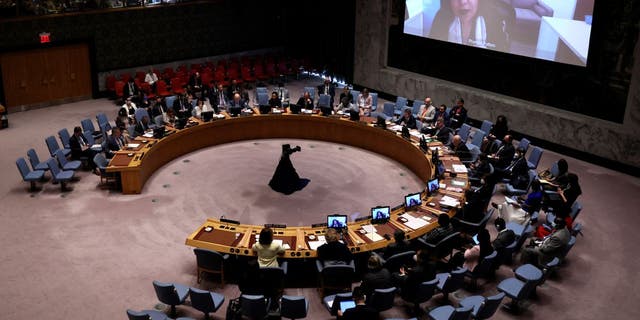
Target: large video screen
{"x":540,"y":29}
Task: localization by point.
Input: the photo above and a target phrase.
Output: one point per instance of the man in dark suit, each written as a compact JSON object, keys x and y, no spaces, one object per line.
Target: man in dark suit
{"x":142,"y":126}
{"x":234,"y":88}
{"x":237,"y":104}
{"x":407,"y":119}
{"x":460,"y":148}
{"x":361,"y":310}
{"x":130,"y":89}
{"x":327,"y":88}
{"x":503,"y":157}
{"x":505,"y":236}
{"x":115,"y":142}
{"x":399,"y":246}
{"x":181,"y":105}
{"x":441,"y":132}
{"x":458,"y":114}
{"x":80,"y":147}
{"x":218,"y":98}
{"x":305,"y":102}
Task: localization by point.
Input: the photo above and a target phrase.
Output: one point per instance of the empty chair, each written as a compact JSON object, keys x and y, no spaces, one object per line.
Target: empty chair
{"x":35,"y":161}
{"x":486,"y":126}
{"x":415,"y":107}
{"x":64,"y":136}
{"x":382,"y":299}
{"x":483,"y":308}
{"x":388,"y":110}
{"x":142,"y":112}
{"x":444,"y":247}
{"x":254,"y":306}
{"x":324,"y":103}
{"x":87,"y":125}
{"x":524,"y":144}
{"x":464,"y":131}
{"x":271,"y":280}
{"x":172,"y":294}
{"x":92,"y":142}
{"x":451,"y":313}
{"x":332,"y":302}
{"x":132,"y":131}
{"x":211,"y":262}
{"x":102,"y":163}
{"x":65,"y":164}
{"x":336,"y":277}
{"x":576,"y":208}
{"x":450,"y":282}
{"x":261,"y":90}
{"x":53,"y":146}
{"x":103,"y":121}
{"x":401,"y":103}
{"x":28,"y":175}
{"x":58,"y":175}
{"x":354,"y":96}
{"x":263,"y":99}
{"x":146,"y":315}
{"x":534,"y":158}
{"x":294,"y":307}
{"x":517,"y":290}
{"x":205,"y":301}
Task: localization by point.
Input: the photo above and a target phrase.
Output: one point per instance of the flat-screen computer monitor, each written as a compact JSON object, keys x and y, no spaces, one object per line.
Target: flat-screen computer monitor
{"x":207,"y":116}
{"x":354,"y":115}
{"x":380,"y":214}
{"x":412,"y":200}
{"x":183,"y":114}
{"x":235,"y":111}
{"x":432,"y":186}
{"x":337,"y":221}
{"x":158,"y":132}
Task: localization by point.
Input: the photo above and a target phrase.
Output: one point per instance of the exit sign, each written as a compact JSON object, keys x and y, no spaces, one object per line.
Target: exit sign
{"x":45,"y":37}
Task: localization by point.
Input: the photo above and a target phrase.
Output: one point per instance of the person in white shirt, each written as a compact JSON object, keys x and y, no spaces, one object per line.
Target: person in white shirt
{"x":151,"y":78}
{"x":364,"y":102}
{"x":201,"y":106}
{"x":128,"y":110}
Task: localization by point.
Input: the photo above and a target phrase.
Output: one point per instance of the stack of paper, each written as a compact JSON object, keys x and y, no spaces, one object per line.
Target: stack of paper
{"x":133,"y":145}
{"x":371,"y":233}
{"x":459,"y":168}
{"x":449,"y":201}
{"x":413,"y":222}
{"x":148,"y":135}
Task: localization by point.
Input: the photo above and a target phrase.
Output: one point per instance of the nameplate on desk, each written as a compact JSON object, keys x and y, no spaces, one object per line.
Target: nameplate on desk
{"x":275,"y":225}
{"x":229,"y":221}
{"x":318,"y":225}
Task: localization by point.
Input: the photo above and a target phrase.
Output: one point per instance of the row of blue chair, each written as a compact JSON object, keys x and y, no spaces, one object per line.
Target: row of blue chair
{"x":62,"y":170}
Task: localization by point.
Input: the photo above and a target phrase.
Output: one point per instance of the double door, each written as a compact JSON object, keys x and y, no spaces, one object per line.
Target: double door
{"x":42,"y":76}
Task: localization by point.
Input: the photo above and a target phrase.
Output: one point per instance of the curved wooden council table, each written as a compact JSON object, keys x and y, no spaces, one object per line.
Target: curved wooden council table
{"x":137,"y":165}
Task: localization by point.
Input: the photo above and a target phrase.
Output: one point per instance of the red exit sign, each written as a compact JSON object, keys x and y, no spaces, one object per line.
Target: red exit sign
{"x":45,"y":37}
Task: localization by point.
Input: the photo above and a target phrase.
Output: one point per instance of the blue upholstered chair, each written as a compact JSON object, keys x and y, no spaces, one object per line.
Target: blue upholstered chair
{"x":382,"y":299}
{"x":485,"y":269}
{"x":354,"y":96}
{"x":524,"y":144}
{"x":35,"y":161}
{"x":102,"y":163}
{"x":517,"y":290}
{"x":103,"y":122}
{"x":58,"y":175}
{"x":476,"y":141}
{"x":53,"y":146}
{"x":66,"y":164}
{"x":374,"y":101}
{"x":263,"y":99}
{"x":205,"y":301}
{"x":28,"y":175}
{"x":483,"y":308}
{"x":415,"y":107}
{"x":401,"y":103}
{"x":486,"y":126}
{"x":146,"y":315}
{"x":172,"y":294}
{"x":388,"y":110}
{"x":464,"y":131}
{"x":534,"y":158}
{"x":336,"y":276}
{"x":254,"y":306}
{"x":311,"y":90}
{"x":87,"y":125}
{"x":293,"y":307}
{"x":450,"y":282}
{"x":169,"y":101}
{"x":511,"y":190}
{"x":398,"y":260}
{"x":64,"y":136}
{"x":324,"y":101}
{"x":451,"y":313}
{"x":272,"y":280}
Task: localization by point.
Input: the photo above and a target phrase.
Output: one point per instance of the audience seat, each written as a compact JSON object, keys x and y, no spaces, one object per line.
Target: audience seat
{"x":65,"y":164}
{"x":485,"y":269}
{"x":486,"y":126}
{"x":254,"y":306}
{"x":146,"y":315}
{"x":335,"y":277}
{"x":28,"y":175}
{"x":293,"y":307}
{"x":450,"y":282}
{"x":172,"y":294}
{"x":53,"y":146}
{"x":382,"y":299}
{"x":205,"y":301}
{"x":64,"y":136}
{"x":58,"y":175}
{"x":534,"y":158}
{"x":450,"y":313}
{"x":35,"y":161}
{"x":483,"y":308}
{"x":332,"y":302}
{"x":426,"y":290}
{"x":211,"y":262}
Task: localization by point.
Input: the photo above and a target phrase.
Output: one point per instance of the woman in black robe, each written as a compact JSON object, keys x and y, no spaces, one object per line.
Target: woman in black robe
{"x":286,"y":179}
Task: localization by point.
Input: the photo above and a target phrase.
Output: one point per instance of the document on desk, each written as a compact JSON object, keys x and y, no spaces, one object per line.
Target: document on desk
{"x":413,"y":222}
{"x":372,"y":233}
{"x":459,"y":168}
{"x":133,"y":145}
{"x":449,"y":201}
{"x":148,"y":135}
{"x":313,"y":245}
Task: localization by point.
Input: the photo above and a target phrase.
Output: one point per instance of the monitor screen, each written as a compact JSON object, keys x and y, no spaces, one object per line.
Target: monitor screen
{"x":348,"y":304}
{"x":433,"y":186}
{"x":412,"y":200}
{"x":380,"y":214}
{"x":540,"y":30}
{"x":207,"y":116}
{"x":337,"y":221}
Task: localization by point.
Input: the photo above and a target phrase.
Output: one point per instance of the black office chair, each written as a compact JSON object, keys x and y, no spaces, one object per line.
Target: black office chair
{"x":205,"y":301}
{"x":211,"y":262}
{"x":171,"y":293}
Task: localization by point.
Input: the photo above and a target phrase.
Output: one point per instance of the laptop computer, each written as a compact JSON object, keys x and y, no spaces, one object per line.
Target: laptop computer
{"x":207,"y":116}
{"x":158,"y":132}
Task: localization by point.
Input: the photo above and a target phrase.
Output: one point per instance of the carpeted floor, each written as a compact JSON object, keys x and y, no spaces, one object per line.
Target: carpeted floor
{"x":91,"y":253}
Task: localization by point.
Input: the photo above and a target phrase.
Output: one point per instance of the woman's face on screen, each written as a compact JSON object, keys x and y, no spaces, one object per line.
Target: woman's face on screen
{"x":465,"y":9}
